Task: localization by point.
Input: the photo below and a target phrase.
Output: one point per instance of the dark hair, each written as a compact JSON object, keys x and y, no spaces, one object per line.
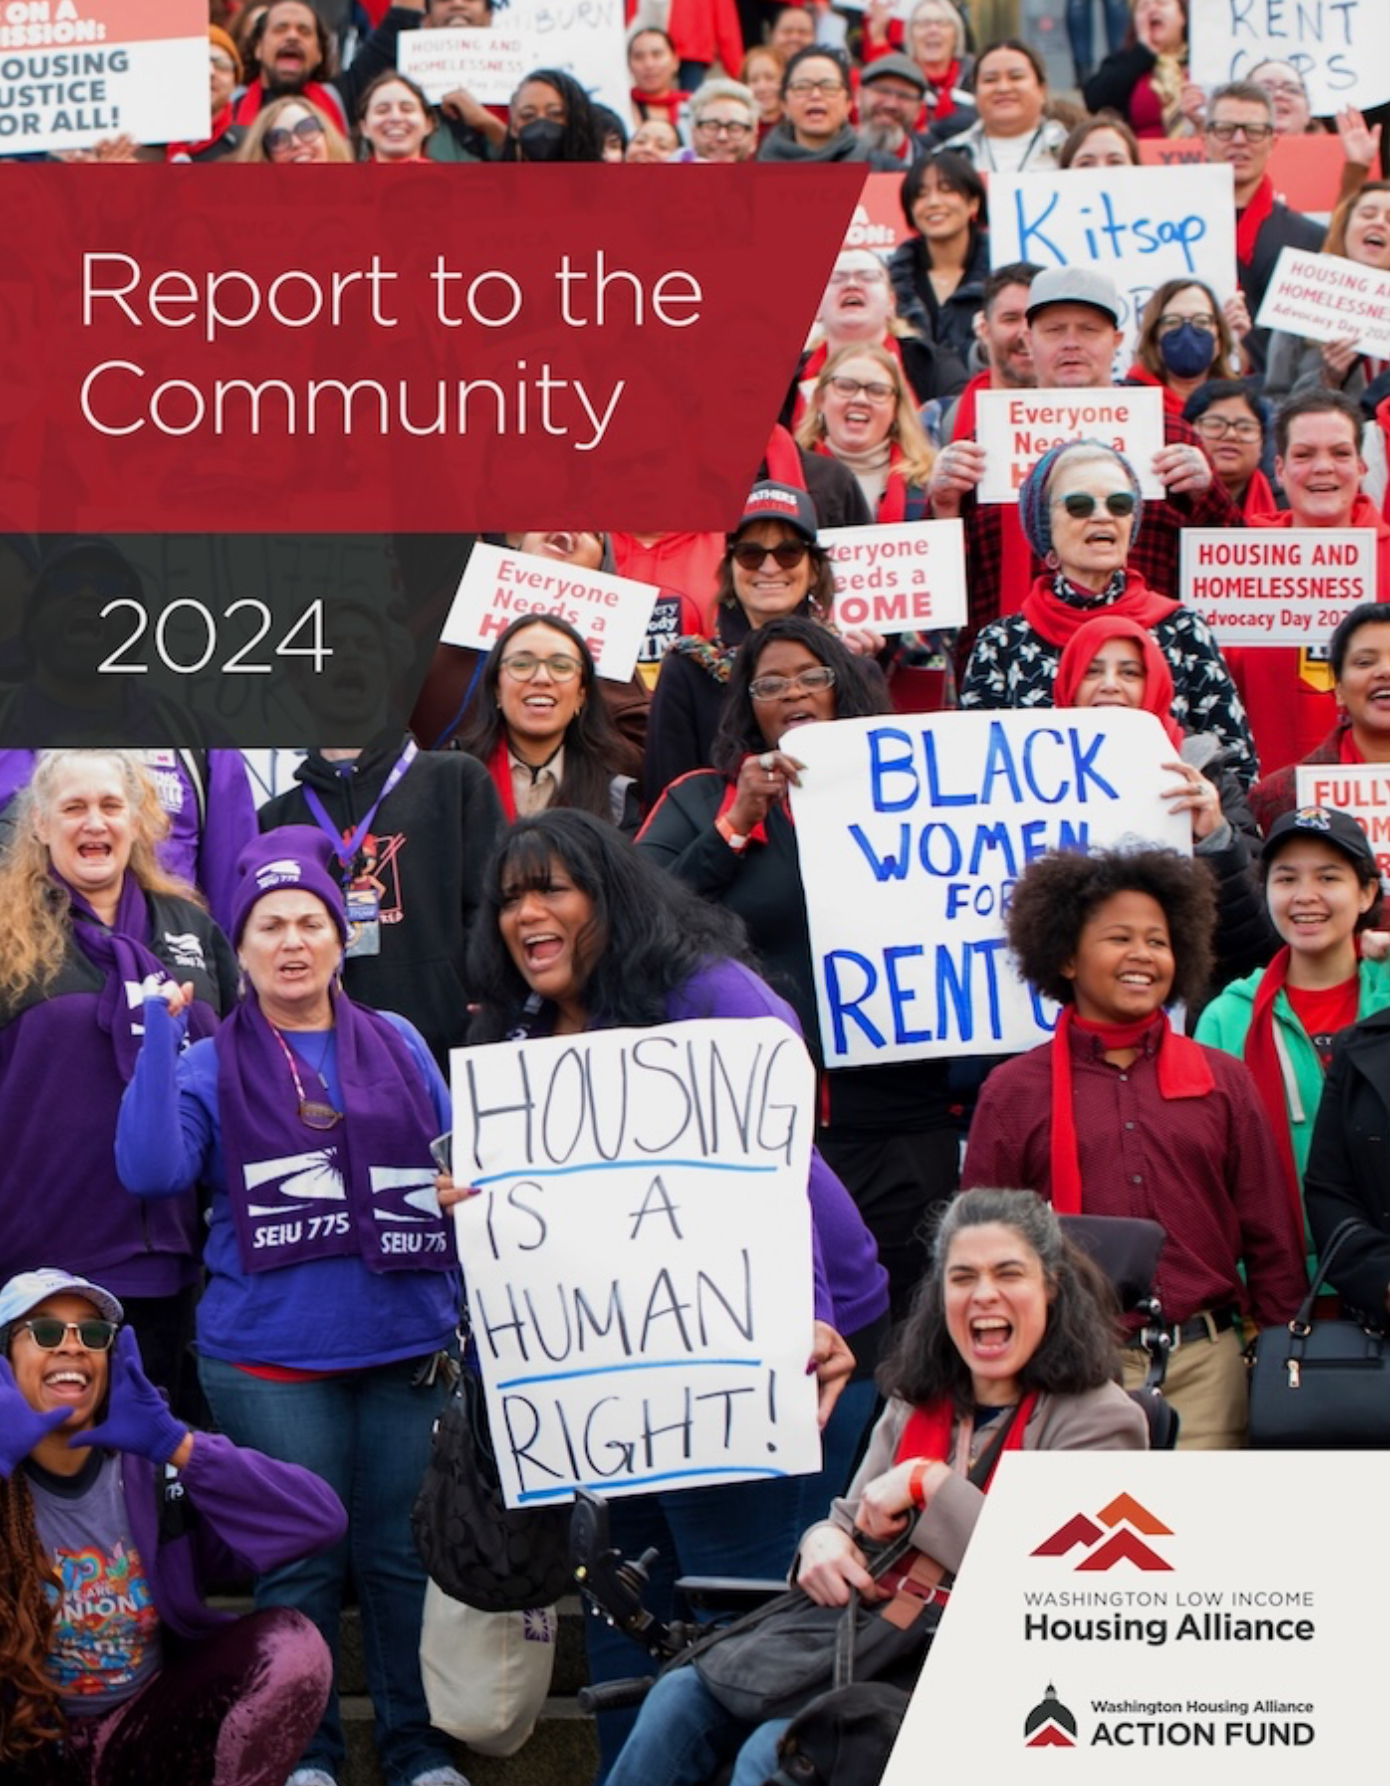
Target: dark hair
{"x":595,"y":750}
{"x":1015,"y":272}
{"x":608,"y":123}
{"x":583,"y":140}
{"x":859,"y":687}
{"x":256,"y":37}
{"x":1146,"y":349}
{"x":1102,"y":120}
{"x":393,"y":76}
{"x":1316,"y":402}
{"x":1078,"y":1350}
{"x":824,"y":51}
{"x":1221,"y":390}
{"x":1365,"y":868}
{"x":1019,"y":48}
{"x":1368,"y":614}
{"x":654,"y":931}
{"x":650,"y":31}
{"x":820,"y":597}
{"x":1058,"y":894}
{"x":955,"y":173}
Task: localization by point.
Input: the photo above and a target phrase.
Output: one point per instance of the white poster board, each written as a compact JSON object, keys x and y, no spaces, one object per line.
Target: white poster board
{"x":585,"y":38}
{"x":1340,"y":47}
{"x":906,"y":576}
{"x":1362,"y":789}
{"x":1276,"y":585}
{"x":1017,"y":427}
{"x":1140,"y":226}
{"x":639,"y":1258}
{"x":499,"y":585}
{"x":912,"y":832}
{"x":489,"y":64}
{"x":1324,"y":297}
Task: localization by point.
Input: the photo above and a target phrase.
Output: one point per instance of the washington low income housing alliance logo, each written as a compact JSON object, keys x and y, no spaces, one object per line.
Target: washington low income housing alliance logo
{"x":1116,"y":1534}
{"x":1050,"y":1724}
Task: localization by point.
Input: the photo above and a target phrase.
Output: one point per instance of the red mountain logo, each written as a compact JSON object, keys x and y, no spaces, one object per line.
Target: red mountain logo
{"x":1114,"y":1535}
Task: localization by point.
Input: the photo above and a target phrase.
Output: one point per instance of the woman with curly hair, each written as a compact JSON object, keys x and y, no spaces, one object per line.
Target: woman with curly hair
{"x":1119,"y":1115}
{"x":862,"y":412}
{"x":551,"y":118}
{"x":86,"y":913}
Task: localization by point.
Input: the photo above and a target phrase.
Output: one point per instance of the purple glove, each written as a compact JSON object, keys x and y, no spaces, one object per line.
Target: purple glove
{"x":21,"y":1427}
{"x":138,"y":1419}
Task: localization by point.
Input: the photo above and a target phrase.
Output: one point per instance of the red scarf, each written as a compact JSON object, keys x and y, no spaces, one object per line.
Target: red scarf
{"x":892,"y":505}
{"x":1250,"y":221}
{"x":1259,"y":497}
{"x":1262,"y":1058}
{"x":662,"y":105}
{"x":1087,"y":640}
{"x":327,"y":99}
{"x":815,"y":365}
{"x":1140,"y":375}
{"x":783,"y":459}
{"x":928,"y":1432}
{"x":1348,"y":750}
{"x":499,"y":767}
{"x":939,"y":102}
{"x":1058,"y":622}
{"x":965,"y":408}
{"x":1183,"y":1072}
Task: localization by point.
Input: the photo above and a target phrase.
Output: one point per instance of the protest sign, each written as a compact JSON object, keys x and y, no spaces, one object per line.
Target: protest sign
{"x":1017,"y":427}
{"x":75,"y":71}
{"x":639,"y":1256}
{"x":912,"y":832}
{"x":878,"y":221}
{"x":1276,"y":585}
{"x":1306,"y":170}
{"x":489,"y":64}
{"x":1138,"y":225}
{"x":585,"y":38}
{"x":908,"y":576}
{"x":1362,"y":789}
{"x":1340,"y":47}
{"x":498,"y":585}
{"x":1324,"y":297}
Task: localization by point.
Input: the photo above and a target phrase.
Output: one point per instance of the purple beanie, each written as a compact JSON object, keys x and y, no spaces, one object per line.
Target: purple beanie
{"x":292,"y":856}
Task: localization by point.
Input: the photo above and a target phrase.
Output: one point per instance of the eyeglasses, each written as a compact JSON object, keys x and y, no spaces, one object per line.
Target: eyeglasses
{"x":1080,"y":503}
{"x":1253,"y":133}
{"x":1170,"y":324}
{"x":724,"y":127}
{"x":851,"y":387}
{"x":277,"y":141}
{"x":1286,"y":89}
{"x":788,"y":555}
{"x":223,"y":64}
{"x":825,"y":87}
{"x":858,"y":276}
{"x":523,"y":666}
{"x":1217,"y":427}
{"x":49,"y":1333}
{"x":805,"y":682}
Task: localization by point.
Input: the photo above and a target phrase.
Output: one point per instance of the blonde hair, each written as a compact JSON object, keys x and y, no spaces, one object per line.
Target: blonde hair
{"x":35,"y":920}
{"x":906,"y":431}
{"x":253,"y":146}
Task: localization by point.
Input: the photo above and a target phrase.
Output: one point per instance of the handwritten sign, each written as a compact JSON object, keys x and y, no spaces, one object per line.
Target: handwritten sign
{"x":75,"y":71}
{"x":1340,"y":47}
{"x":905,"y":577}
{"x":1139,"y":226}
{"x":489,"y":64}
{"x":1276,"y":585}
{"x":912,"y":834}
{"x":1306,"y":170}
{"x":1017,"y":427}
{"x":639,"y":1259}
{"x":585,"y":38}
{"x":498,"y":586}
{"x":1362,"y":789}
{"x":1326,"y":298}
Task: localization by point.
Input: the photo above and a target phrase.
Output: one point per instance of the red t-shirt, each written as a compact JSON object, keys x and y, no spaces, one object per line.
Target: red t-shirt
{"x":1324,"y":1011}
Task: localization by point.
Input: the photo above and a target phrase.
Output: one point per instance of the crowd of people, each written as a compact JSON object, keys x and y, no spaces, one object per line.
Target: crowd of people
{"x":240,"y":1001}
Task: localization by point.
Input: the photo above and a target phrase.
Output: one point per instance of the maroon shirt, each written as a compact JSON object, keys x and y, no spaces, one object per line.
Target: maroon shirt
{"x":1206,"y":1168}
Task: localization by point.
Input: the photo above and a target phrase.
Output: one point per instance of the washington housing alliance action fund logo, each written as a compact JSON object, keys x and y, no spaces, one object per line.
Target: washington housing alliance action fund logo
{"x":1125,"y":1537}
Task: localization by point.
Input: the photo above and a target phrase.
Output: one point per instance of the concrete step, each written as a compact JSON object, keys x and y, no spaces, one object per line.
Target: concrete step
{"x":562,"y":1750}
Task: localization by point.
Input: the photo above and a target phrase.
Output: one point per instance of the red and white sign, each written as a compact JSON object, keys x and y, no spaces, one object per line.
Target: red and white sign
{"x":490,"y":65}
{"x":1276,"y":585}
{"x":905,"y":577}
{"x":1017,"y":427}
{"x":1361,"y":789}
{"x":1324,"y":297}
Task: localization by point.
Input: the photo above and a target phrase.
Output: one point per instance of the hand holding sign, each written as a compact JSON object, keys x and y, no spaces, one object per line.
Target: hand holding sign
{"x":1194,"y":794}
{"x":957,"y":471}
{"x":1183,"y":470}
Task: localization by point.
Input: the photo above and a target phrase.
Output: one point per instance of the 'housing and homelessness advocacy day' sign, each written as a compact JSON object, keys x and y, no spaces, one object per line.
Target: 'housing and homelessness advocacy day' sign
{"x":1362,"y":789}
{"x":913,"y":830}
{"x":1017,"y":427}
{"x":1276,"y":585}
{"x":75,"y":71}
{"x":906,"y":576}
{"x":1340,"y":47}
{"x":1324,"y":297}
{"x":489,"y":64}
{"x":639,"y":1260}
{"x":499,"y":586}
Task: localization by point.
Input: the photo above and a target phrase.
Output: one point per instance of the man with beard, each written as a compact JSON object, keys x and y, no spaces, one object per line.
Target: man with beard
{"x":891,"y":91}
{"x":1001,"y":331}
{"x":290,"y":52}
{"x":470,"y":130}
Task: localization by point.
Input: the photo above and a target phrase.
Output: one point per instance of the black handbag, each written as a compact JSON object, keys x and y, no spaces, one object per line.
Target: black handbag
{"x":479,"y":1550}
{"x":1321,"y":1385}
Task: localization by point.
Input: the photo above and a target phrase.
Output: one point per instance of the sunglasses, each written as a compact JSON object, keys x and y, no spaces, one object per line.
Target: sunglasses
{"x":1080,"y":503}
{"x":523,"y":666}
{"x":788,"y":555}
{"x":49,"y":1333}
{"x":772,"y":688}
{"x":277,"y":141}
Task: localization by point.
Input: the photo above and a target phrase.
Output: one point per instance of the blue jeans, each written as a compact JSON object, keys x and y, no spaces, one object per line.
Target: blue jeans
{"x":1081,"y":31}
{"x":367,"y":1434}
{"x":683,"y":1735}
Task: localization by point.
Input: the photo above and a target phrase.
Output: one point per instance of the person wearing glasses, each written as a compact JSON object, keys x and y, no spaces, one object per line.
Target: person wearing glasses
{"x":723,"y":123}
{"x":116,"y":1522}
{"x":1186,"y":337}
{"x":816,"y":103}
{"x":1232,"y":424}
{"x":293,"y":130}
{"x":326,"y":1330}
{"x":542,"y":730}
{"x":224,"y":134}
{"x":862,"y":413}
{"x":1080,"y":510}
{"x":1239,"y":130}
{"x":1360,"y":232}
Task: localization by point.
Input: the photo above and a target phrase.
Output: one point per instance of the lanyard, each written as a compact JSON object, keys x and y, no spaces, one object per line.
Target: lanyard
{"x":346,"y":852}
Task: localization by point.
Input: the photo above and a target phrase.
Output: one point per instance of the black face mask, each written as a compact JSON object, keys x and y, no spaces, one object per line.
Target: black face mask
{"x":541,"y":140}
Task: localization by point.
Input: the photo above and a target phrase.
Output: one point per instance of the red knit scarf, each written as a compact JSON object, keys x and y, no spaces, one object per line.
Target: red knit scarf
{"x":1262,"y":1058}
{"x":1056,"y":620}
{"x":1183,"y":1072}
{"x":941,"y":104}
{"x":892,"y":505}
{"x":660,"y":105}
{"x":1250,"y":221}
{"x":928,"y":1432}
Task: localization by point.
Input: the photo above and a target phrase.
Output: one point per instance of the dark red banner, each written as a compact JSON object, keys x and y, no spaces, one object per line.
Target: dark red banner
{"x":397,"y":350}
